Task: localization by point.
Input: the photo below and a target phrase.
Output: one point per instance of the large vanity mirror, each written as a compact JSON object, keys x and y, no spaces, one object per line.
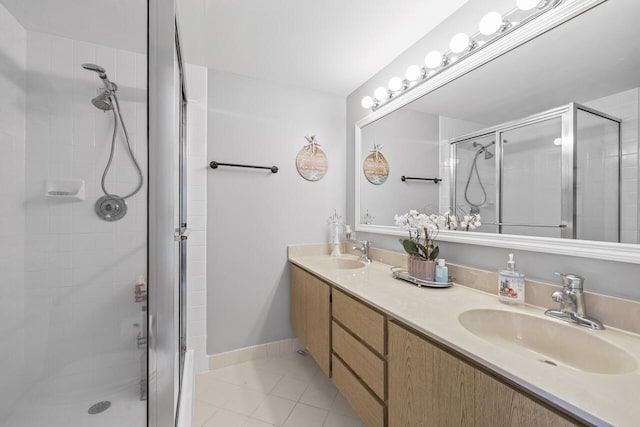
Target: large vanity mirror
{"x":540,"y":141}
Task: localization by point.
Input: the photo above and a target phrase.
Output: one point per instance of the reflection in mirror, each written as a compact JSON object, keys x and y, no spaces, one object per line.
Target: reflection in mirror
{"x":510,"y":129}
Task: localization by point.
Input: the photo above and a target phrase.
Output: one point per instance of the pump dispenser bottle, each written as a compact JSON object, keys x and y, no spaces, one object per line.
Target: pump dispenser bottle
{"x":511,"y":284}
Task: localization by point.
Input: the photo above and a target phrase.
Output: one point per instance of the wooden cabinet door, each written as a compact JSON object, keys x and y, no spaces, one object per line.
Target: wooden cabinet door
{"x":311,"y":315}
{"x":497,"y":404}
{"x":427,"y":386}
{"x":297,"y":302}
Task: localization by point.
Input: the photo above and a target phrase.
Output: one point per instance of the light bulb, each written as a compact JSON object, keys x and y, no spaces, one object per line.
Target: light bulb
{"x":367,"y":102}
{"x":527,"y":4}
{"x":557,"y":141}
{"x":459,"y":43}
{"x":413,"y":73}
{"x":395,"y":84}
{"x":490,"y":23}
{"x":381,"y":93}
{"x":433,"y":59}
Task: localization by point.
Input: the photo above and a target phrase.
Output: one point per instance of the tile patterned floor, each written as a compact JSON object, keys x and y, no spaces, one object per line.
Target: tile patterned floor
{"x":287,"y":391}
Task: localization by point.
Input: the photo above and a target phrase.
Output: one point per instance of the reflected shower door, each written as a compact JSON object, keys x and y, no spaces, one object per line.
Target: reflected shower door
{"x":532,"y":182}
{"x":475,"y":179}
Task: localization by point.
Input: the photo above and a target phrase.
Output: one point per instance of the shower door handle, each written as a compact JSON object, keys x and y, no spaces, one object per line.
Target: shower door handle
{"x":182,"y":233}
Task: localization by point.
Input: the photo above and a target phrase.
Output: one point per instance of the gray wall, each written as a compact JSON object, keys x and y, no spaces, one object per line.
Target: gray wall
{"x":253,"y":215}
{"x":612,"y":278}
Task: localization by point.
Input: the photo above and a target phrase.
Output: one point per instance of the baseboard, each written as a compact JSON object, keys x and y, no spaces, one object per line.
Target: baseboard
{"x":260,"y":351}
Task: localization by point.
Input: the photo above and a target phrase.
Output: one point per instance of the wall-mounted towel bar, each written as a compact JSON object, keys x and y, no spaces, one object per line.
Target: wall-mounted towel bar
{"x":214,"y":165}
{"x":504,"y":224}
{"x":407,"y":178}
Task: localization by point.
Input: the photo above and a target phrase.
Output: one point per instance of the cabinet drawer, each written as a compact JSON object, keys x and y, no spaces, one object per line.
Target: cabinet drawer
{"x":366,"y":324}
{"x":366,"y":364}
{"x":363,"y":402}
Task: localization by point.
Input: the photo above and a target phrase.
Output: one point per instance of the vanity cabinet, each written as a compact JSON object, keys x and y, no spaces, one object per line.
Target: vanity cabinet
{"x":430,"y":386}
{"x":358,"y":359}
{"x":311,"y":315}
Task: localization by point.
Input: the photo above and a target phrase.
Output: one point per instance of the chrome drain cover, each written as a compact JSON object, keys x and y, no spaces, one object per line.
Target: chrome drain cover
{"x":99,"y":407}
{"x":111,"y":208}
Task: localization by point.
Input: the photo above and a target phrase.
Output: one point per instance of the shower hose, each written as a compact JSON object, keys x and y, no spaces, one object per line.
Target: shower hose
{"x":117,"y":115}
{"x":474,"y":167}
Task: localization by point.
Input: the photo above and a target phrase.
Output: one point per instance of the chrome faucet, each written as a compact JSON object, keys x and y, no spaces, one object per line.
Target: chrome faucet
{"x":571,"y":301}
{"x":364,"y":247}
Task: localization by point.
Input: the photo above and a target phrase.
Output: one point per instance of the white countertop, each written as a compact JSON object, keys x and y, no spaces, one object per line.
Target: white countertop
{"x":598,"y":398}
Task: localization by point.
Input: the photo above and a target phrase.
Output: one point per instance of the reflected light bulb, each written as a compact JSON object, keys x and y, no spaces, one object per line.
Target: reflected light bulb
{"x":413,"y":73}
{"x":490,"y":23}
{"x":459,"y":43}
{"x":395,"y":83}
{"x":433,"y":59}
{"x":381,"y":93}
{"x":367,"y":102}
{"x":527,"y":4}
{"x":557,"y":141}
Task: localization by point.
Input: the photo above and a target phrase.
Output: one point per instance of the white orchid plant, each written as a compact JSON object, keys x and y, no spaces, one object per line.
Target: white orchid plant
{"x":424,"y":229}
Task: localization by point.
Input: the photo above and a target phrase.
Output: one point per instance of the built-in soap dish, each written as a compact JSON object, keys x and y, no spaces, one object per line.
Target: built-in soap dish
{"x":72,"y":189}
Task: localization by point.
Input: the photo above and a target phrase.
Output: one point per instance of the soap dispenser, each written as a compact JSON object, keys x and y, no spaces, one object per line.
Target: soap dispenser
{"x":511,"y":284}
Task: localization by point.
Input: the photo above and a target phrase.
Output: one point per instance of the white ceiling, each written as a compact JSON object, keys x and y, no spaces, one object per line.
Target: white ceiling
{"x":328,"y":45}
{"x":116,"y":23}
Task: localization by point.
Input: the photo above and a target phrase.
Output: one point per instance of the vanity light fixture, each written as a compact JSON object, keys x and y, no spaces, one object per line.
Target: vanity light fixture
{"x":527,"y":4}
{"x":459,"y":43}
{"x":414,"y":73}
{"x":381,"y":93}
{"x":492,"y":26}
{"x":395,"y":84}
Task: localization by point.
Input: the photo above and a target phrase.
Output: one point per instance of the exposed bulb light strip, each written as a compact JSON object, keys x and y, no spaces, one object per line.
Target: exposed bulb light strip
{"x":492,"y":26}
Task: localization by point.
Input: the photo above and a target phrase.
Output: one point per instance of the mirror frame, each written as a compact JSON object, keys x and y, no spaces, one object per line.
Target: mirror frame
{"x":621,"y":252}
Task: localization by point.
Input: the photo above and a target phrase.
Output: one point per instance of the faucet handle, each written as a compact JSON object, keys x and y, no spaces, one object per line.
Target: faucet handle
{"x":571,"y":281}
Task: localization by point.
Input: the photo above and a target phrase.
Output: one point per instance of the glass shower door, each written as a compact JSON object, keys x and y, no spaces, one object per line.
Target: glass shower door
{"x":532,"y":166}
{"x":72,"y":289}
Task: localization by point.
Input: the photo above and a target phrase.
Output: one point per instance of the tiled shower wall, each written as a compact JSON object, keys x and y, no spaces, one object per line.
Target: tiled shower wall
{"x":626,"y":106}
{"x":13,"y":47}
{"x":81,"y":270}
{"x":196,"y":77}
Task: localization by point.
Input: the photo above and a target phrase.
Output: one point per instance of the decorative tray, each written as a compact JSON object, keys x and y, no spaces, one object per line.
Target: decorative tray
{"x":401,"y":273}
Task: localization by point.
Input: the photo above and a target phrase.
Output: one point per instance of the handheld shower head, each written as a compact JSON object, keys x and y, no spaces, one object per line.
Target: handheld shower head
{"x":102,"y":101}
{"x":102,"y":73}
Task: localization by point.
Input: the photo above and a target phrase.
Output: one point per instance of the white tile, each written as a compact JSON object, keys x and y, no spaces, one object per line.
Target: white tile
{"x":274,"y":410}
{"x":213,"y":391}
{"x":320,"y":396}
{"x":289,"y":388}
{"x":306,"y":416}
{"x":243,"y":401}
{"x":247,"y":377}
{"x":256,"y":423}
{"x":224,"y":418}
{"x":337,"y":420}
{"x":341,"y":406}
{"x":202,"y":411}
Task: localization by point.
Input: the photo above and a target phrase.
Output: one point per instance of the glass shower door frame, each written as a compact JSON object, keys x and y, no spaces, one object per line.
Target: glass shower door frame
{"x":568,"y":115}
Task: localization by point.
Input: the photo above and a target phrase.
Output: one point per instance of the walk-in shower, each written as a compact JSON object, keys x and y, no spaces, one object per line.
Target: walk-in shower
{"x":112,"y":207}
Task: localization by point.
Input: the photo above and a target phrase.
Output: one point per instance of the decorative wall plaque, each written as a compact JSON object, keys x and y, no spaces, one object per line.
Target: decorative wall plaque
{"x":375,"y":166}
{"x":311,"y":162}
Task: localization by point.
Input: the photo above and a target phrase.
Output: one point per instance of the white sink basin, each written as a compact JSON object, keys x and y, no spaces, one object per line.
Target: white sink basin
{"x":548,"y":341}
{"x":342,"y":263}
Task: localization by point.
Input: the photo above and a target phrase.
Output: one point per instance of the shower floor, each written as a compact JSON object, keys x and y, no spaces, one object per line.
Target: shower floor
{"x":64,"y":399}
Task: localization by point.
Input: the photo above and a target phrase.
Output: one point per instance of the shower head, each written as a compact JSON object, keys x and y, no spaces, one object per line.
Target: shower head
{"x":103,"y":101}
{"x":102,"y":73}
